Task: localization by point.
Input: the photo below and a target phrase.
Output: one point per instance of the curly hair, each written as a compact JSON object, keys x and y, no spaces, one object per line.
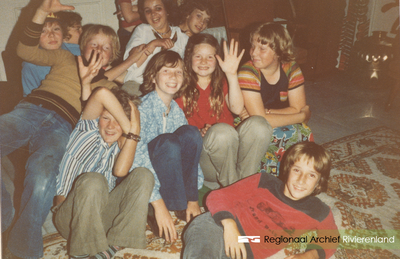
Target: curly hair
{"x":187,"y":7}
{"x":124,"y":98}
{"x":312,"y":152}
{"x":94,"y":29}
{"x":277,"y":38}
{"x":169,"y":5}
{"x":165,"y":58}
{"x":190,"y":95}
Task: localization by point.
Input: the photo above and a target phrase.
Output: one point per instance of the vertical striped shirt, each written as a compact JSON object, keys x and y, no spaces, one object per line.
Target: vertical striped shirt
{"x":86,"y":152}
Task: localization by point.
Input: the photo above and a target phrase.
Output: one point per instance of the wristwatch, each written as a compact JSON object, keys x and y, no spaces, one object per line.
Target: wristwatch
{"x":130,"y":135}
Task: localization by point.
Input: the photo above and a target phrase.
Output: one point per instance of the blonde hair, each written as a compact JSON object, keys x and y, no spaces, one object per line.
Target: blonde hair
{"x":312,"y":152}
{"x":165,"y":58}
{"x":190,"y":95}
{"x":277,"y":38}
{"x":96,"y":29}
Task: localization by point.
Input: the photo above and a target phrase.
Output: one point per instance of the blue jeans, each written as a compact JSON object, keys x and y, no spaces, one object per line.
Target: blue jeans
{"x":47,"y":134}
{"x":7,"y":209}
{"x":175,"y":158}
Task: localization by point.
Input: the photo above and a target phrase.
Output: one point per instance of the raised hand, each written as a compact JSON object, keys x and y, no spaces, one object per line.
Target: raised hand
{"x":231,"y":63}
{"x":53,"y":6}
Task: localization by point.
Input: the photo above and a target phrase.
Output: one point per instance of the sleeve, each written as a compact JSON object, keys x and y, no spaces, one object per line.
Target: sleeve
{"x":249,"y":79}
{"x":70,"y":167}
{"x":295,"y":76}
{"x":221,"y":203}
{"x":326,"y":228}
{"x":137,"y":38}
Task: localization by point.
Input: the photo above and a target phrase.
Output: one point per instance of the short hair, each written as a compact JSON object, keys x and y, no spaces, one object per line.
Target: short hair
{"x":277,"y":38}
{"x":169,"y":5}
{"x":187,"y":7}
{"x":124,"y":98}
{"x":94,"y":29}
{"x":51,"y":20}
{"x":69,"y":19}
{"x":167,"y":58}
{"x":311,"y":152}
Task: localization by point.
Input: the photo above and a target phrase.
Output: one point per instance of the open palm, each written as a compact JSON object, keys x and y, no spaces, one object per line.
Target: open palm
{"x":231,"y":60}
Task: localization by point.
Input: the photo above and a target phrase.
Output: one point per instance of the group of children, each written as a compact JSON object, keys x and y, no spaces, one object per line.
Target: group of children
{"x":114,"y":161}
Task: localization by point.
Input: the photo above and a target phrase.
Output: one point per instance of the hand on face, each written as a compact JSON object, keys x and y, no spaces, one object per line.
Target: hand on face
{"x":88,"y":72}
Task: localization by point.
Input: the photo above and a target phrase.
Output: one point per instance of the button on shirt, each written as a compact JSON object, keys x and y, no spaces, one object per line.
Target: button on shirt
{"x":154,"y":122}
{"x":86,"y":152}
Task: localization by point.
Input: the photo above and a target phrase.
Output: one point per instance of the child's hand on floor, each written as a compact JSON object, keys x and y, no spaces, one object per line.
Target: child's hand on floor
{"x":231,"y":63}
{"x":193,"y":209}
{"x":233,"y":249}
{"x":164,"y":221}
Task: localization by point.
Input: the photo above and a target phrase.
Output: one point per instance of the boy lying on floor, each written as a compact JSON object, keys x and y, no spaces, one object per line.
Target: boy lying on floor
{"x":271,"y":208}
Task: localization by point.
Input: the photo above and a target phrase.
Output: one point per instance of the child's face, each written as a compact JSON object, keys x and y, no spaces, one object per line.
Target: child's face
{"x":203,"y":60}
{"x":51,"y":37}
{"x":302,"y":180}
{"x":168,"y":81}
{"x":109,"y":128}
{"x":263,"y":56}
{"x":156,"y":15}
{"x":102,"y":44}
{"x":75,"y":32}
{"x":197,"y":21}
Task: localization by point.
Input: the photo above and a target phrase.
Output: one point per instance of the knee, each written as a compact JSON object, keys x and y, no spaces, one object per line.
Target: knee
{"x":258,"y":126}
{"x":221,"y":135}
{"x":191,"y":132}
{"x":143,"y":178}
{"x":91,"y":183}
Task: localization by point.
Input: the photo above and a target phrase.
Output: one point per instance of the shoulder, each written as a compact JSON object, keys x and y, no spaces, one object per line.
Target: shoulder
{"x":249,"y":77}
{"x":293,"y":73}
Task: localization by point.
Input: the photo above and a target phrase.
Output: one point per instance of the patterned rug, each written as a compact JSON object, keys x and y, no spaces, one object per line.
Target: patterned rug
{"x":363,"y":193}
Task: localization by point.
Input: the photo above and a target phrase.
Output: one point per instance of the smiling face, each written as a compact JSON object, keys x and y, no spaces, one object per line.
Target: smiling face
{"x":156,"y":15}
{"x":262,"y":55}
{"x":168,"y":81}
{"x":203,"y":60}
{"x":101,"y":44}
{"x":302,"y":180}
{"x":109,"y":128}
{"x":197,"y":21}
{"x":51,"y":37}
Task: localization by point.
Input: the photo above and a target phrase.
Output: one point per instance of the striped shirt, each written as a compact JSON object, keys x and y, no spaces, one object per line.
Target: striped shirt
{"x":86,"y":152}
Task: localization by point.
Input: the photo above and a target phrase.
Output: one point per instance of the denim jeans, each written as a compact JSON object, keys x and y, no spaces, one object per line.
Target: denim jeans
{"x":47,"y":134}
{"x":7,"y":209}
{"x":175,"y":158}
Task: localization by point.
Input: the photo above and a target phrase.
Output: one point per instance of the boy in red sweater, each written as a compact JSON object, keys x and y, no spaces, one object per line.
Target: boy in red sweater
{"x":271,"y":208}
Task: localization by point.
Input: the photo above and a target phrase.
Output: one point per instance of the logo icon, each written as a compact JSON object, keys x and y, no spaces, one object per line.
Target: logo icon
{"x":248,"y":239}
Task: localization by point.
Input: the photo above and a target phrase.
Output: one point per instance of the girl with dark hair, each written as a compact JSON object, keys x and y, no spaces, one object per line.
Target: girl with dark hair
{"x":156,"y":33}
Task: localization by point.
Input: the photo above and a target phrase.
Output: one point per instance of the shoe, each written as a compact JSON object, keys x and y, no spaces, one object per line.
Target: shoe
{"x":180,"y":214}
{"x":151,"y":220}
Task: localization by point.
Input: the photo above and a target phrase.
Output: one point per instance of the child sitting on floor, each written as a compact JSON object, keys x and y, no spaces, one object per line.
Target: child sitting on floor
{"x":169,"y":148}
{"x":96,"y":217}
{"x":263,"y":205}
